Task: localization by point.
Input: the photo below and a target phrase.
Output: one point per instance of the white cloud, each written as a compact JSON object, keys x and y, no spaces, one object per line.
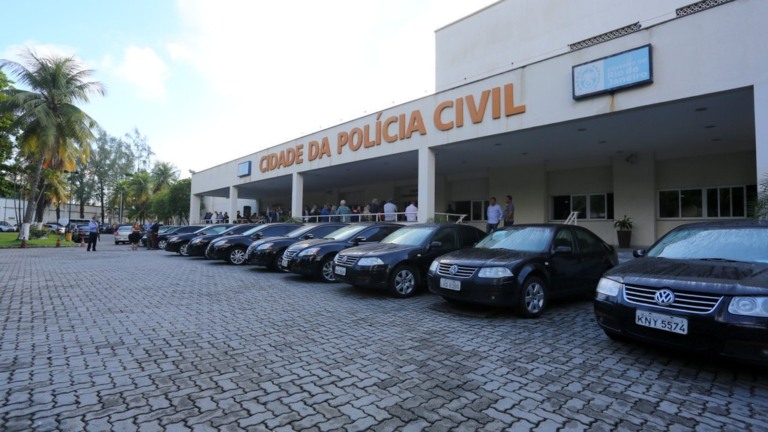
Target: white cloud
{"x":145,"y":70}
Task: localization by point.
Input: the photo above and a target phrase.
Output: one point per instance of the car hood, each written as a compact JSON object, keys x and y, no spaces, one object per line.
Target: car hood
{"x":717,"y":277}
{"x":376,"y":249}
{"x":482,"y":257}
{"x":303,"y":244}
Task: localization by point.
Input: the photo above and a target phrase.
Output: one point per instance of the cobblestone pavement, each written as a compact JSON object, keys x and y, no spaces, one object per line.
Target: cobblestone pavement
{"x":150,"y":341}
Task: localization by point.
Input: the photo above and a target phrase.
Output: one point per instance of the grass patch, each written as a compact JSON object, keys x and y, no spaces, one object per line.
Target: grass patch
{"x":9,"y":240}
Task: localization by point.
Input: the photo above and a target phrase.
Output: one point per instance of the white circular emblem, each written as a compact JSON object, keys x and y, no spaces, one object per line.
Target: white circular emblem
{"x":664,"y":297}
{"x":454,"y":268}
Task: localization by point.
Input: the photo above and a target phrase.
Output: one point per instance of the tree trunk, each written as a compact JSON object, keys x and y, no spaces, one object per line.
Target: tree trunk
{"x":31,"y":201}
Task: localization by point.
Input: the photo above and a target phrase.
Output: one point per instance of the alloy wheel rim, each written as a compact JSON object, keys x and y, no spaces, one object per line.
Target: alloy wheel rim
{"x":237,"y":256}
{"x":328,"y":271}
{"x":404,"y":282}
{"x":534,"y":298}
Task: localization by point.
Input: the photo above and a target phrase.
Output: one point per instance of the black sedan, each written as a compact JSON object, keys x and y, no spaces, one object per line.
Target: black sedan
{"x":178,"y":242}
{"x":232,"y":249}
{"x":199,"y":244}
{"x":268,"y":251}
{"x":523,"y":266}
{"x":162,"y":236}
{"x":701,"y":287}
{"x":315,"y":257}
{"x":400,"y":261}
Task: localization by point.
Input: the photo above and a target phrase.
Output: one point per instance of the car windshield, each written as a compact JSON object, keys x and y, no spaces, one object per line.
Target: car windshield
{"x":298,"y":232}
{"x":410,"y":236}
{"x":346,"y":233}
{"x":212,"y":229}
{"x":237,"y":230}
{"x":748,"y":244}
{"x":526,"y":239}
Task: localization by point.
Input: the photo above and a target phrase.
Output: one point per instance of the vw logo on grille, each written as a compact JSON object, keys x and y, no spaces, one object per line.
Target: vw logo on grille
{"x":664,"y":297}
{"x":454,"y":268}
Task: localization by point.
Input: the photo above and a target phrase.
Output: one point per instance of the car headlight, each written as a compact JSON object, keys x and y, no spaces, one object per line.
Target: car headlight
{"x":609,"y":287}
{"x":222,"y":244}
{"x":370,"y":261}
{"x":494,"y":272}
{"x":433,"y":266}
{"x":309,"y":251}
{"x":750,"y":306}
{"x":265,"y":246}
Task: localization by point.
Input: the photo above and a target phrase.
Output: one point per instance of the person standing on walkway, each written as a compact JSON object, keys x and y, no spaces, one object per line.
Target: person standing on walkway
{"x":93,"y":234}
{"x":494,"y":215}
{"x":135,"y":236}
{"x":153,"y":232}
{"x":411,"y":212}
{"x":509,"y":212}
{"x":390,"y":211}
{"x":344,"y":211}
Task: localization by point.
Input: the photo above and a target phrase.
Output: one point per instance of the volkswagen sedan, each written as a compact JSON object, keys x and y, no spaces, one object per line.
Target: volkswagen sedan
{"x":399,"y":262}
{"x":268,"y":252}
{"x":232,"y":248}
{"x":702,"y":287}
{"x":524,"y":266}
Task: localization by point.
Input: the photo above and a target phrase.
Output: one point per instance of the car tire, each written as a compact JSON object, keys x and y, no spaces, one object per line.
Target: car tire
{"x":117,"y":243}
{"x":326,"y":270}
{"x":274,"y":265}
{"x":533,"y":298}
{"x":184,"y":249}
{"x":236,"y":256}
{"x":403,"y":281}
{"x":161,"y":244}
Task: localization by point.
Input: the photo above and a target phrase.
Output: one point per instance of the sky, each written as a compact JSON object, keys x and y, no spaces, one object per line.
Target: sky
{"x":209,"y":81}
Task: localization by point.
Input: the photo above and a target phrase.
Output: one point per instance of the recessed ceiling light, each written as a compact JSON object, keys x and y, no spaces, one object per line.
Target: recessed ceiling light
{"x":709,"y":127}
{"x":497,"y":144}
{"x":700,"y":109}
{"x":715,"y":139}
{"x":602,"y":142}
{"x":581,"y":129}
{"x":524,"y":153}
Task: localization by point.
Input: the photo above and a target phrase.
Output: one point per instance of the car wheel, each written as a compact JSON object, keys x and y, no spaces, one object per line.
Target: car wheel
{"x":117,"y":243}
{"x":161,"y":244}
{"x":236,"y":256}
{"x":326,"y":270}
{"x":533,"y":298}
{"x":403,"y":281}
{"x":184,"y":249}
{"x":274,"y":264}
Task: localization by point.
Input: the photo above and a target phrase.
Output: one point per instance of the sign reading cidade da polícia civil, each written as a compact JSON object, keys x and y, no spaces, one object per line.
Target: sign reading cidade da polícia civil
{"x":619,"y":71}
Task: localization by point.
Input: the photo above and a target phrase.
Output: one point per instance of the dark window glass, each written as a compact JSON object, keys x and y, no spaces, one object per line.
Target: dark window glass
{"x":561,"y":207}
{"x":751,"y":200}
{"x":609,"y":205}
{"x":446,"y":236}
{"x":588,"y":243}
{"x":669,"y":204}
{"x":597,"y":206}
{"x":725,"y":202}
{"x":691,"y":203}
{"x":564,"y":238}
{"x":739,"y":201}
{"x":712,"y":203}
{"x":579,"y":204}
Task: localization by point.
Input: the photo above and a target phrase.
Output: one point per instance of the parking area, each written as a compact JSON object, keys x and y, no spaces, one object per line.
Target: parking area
{"x":152,"y":341}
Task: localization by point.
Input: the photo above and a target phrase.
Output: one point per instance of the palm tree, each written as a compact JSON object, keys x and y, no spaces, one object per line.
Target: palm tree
{"x":54,"y":131}
{"x":139,"y":192}
{"x":164,"y":175}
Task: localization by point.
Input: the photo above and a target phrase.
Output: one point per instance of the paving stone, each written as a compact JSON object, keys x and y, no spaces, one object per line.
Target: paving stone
{"x":188,"y":344}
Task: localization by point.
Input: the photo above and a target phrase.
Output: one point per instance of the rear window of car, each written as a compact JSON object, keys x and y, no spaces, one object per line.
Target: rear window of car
{"x":718,"y":243}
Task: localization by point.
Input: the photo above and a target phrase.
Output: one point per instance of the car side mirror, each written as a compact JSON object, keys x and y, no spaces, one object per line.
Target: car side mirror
{"x":563,"y":250}
{"x":259,"y":236}
{"x":436,"y":245}
{"x":360,"y":239}
{"x":638,"y":253}
{"x":307,"y":237}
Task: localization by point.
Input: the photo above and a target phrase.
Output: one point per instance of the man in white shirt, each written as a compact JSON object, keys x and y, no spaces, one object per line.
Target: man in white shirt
{"x":389,"y":211}
{"x":494,"y":215}
{"x":411,"y":212}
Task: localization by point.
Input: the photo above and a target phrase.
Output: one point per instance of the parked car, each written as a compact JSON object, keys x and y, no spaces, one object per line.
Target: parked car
{"x":6,"y":227}
{"x":121,"y":234}
{"x":197,"y":245}
{"x":524,"y":266}
{"x":702,"y":287}
{"x":233,"y":249}
{"x":268,"y":251}
{"x":80,"y":233}
{"x":162,"y":237}
{"x":164,"y":229}
{"x":54,"y":227}
{"x":400,"y":261}
{"x":178,"y":242}
{"x":314,"y":257}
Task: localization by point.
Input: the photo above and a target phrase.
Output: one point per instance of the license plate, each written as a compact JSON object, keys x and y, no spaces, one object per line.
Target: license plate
{"x":285,"y":262}
{"x":661,"y":322}
{"x":340,"y":270}
{"x":450,"y":284}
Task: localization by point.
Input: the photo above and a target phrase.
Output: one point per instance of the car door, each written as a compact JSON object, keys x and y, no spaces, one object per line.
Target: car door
{"x":374,"y":234}
{"x":593,"y":257}
{"x":448,"y":238}
{"x":565,"y":265}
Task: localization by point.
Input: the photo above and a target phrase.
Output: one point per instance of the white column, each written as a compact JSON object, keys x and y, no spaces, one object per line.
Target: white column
{"x":194,"y":209}
{"x":297,"y":195}
{"x":233,"y":196}
{"x":426,"y":184}
{"x":761,"y":130}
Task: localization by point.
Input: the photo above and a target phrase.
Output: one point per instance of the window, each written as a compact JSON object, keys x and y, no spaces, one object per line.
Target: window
{"x":588,"y":206}
{"x":475,"y":210}
{"x":725,"y":202}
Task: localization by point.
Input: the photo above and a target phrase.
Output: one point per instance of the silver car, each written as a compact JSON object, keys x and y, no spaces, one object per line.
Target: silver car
{"x":121,"y":234}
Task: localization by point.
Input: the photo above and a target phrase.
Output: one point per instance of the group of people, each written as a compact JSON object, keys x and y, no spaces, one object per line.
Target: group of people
{"x":373,"y":211}
{"x":495,"y":214}
{"x":216,"y":217}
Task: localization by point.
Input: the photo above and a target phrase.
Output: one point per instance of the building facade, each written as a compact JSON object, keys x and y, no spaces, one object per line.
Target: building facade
{"x":657,"y":110}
